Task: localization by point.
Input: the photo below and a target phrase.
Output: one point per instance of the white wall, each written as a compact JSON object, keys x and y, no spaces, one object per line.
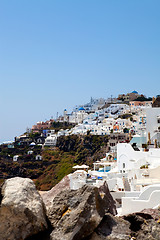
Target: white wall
{"x":77,"y":179}
{"x":149,"y":198}
{"x":127,"y":157}
{"x":151,"y":118}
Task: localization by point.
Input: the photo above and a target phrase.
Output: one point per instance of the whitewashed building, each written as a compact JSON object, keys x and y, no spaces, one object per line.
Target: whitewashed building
{"x":153,"y":123}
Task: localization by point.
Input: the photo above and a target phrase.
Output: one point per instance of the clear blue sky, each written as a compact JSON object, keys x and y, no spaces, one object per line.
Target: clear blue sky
{"x":55,"y":54}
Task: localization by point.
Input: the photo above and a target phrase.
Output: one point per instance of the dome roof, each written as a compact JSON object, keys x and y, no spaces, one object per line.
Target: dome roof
{"x":81,"y":109}
{"x":134,"y":91}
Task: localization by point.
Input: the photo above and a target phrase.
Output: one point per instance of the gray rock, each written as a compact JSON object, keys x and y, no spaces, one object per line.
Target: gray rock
{"x":150,"y":230}
{"x":75,"y":214}
{"x":48,"y":196}
{"x":144,"y":225}
{"x":112,"y":228}
{"x":152,"y":213}
{"x":22,"y":212}
{"x":110,"y":204}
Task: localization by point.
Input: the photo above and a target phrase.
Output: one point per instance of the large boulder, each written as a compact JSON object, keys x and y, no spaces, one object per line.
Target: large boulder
{"x":22,"y":212}
{"x":75,"y":214}
{"x":48,"y":196}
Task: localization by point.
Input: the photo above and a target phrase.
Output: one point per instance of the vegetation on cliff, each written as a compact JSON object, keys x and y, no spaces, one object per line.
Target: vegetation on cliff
{"x":56,"y":162}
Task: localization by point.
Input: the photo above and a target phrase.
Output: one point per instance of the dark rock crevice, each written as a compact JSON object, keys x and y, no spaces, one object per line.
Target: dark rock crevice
{"x":43,"y":235}
{"x":135,"y":221}
{"x":111,"y":228}
{"x":106,"y":226}
{"x":1,"y":197}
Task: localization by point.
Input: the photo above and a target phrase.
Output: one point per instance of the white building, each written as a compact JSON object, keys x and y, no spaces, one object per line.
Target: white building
{"x":30,"y":152}
{"x":51,"y":139}
{"x":153,"y":123}
{"x":15,"y":158}
{"x":148,"y":198}
{"x":78,"y":116}
{"x":128,"y":158}
{"x":77,"y":179}
{"x":118,"y":109}
{"x":38,"y":157}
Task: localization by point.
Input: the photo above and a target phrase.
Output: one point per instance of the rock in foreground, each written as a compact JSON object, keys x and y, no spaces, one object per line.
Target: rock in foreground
{"x":145,"y":224}
{"x":112,"y":228}
{"x":48,"y":196}
{"x":22,"y":211}
{"x":75,"y":214}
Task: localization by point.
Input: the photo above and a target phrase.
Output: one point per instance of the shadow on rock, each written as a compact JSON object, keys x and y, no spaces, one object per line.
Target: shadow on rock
{"x":111,"y":228}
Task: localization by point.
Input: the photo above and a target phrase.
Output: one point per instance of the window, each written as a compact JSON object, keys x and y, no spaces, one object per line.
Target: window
{"x":112,"y":144}
{"x":123,"y":165}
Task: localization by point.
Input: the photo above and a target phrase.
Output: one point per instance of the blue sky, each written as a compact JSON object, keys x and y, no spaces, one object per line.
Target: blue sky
{"x":55,"y":54}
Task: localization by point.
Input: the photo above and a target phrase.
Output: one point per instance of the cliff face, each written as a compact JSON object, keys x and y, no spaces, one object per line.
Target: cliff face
{"x":70,"y":150}
{"x":56,"y":162}
{"x":84,"y":214}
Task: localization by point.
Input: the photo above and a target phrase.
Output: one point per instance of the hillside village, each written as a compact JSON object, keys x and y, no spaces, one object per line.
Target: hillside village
{"x":112,"y":117}
{"x":125,"y":114}
{"x":118,"y":139}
